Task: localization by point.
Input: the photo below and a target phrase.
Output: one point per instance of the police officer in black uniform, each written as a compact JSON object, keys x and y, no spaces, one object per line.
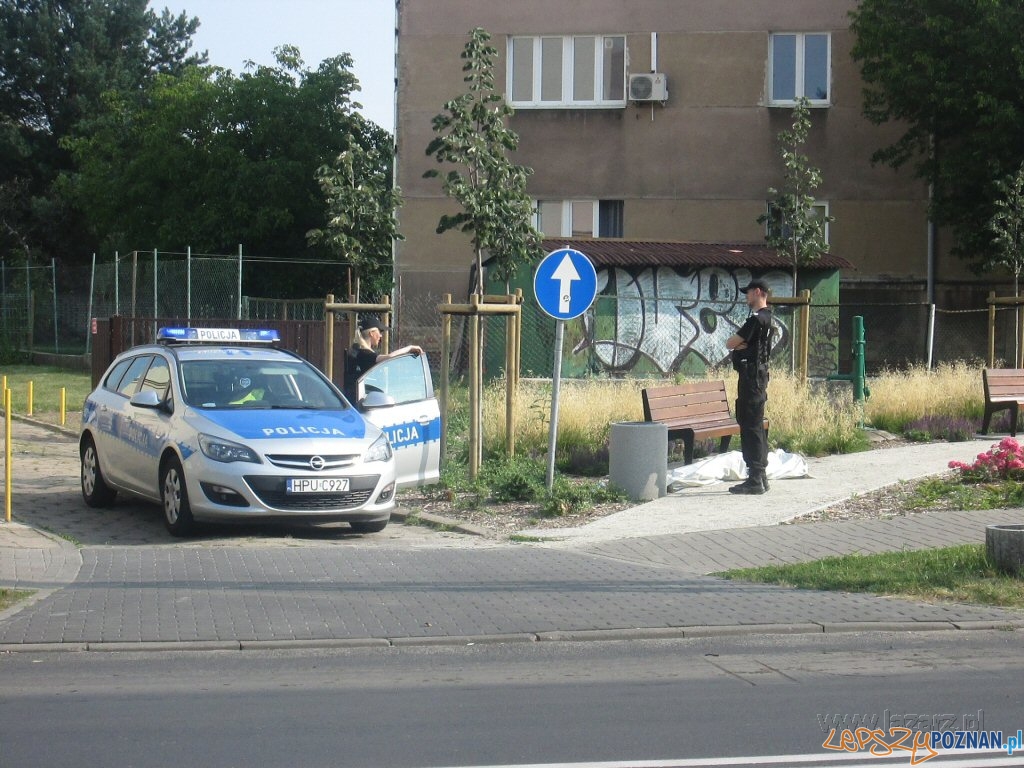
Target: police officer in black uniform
{"x":751,"y":345}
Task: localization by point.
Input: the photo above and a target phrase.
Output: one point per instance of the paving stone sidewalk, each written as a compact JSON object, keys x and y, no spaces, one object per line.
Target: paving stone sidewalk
{"x":113,"y":579}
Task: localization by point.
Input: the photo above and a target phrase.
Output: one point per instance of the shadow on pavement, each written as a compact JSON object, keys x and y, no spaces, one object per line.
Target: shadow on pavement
{"x":128,"y":522}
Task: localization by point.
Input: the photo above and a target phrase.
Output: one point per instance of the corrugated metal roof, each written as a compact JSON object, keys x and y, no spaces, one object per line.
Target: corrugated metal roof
{"x":609,"y":252}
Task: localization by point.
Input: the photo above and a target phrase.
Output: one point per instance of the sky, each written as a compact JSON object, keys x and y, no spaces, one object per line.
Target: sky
{"x":233,"y":31}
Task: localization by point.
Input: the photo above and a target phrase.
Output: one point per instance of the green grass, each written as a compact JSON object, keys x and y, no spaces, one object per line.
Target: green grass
{"x":46,"y":386}
{"x":957,"y":574}
{"x":9,"y":597}
{"x":956,"y":494}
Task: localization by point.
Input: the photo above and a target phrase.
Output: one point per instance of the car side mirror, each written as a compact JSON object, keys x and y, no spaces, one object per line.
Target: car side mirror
{"x":147,"y":399}
{"x":376,"y":400}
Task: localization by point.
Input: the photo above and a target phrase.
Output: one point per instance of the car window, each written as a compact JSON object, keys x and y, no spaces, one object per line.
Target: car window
{"x":158,"y":378}
{"x":114,"y":377}
{"x":245,"y":384}
{"x":401,"y":377}
{"x":130,"y":381}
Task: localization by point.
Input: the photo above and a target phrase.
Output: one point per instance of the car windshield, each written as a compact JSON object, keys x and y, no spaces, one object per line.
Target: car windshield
{"x":255,"y":384}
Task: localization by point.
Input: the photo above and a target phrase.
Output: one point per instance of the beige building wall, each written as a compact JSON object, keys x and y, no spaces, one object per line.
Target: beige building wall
{"x":695,"y":169}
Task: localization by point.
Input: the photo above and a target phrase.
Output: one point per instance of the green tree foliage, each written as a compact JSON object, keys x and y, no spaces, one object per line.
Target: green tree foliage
{"x":211,"y":160}
{"x":1007,"y":227}
{"x":795,"y":229}
{"x":57,"y":59}
{"x":473,"y":137}
{"x":950,"y":74}
{"x":361,"y":206}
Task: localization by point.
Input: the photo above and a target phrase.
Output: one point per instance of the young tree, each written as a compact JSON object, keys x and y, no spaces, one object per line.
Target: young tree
{"x":361,"y":204}
{"x":795,"y":229}
{"x":1007,"y":227}
{"x":473,"y":136}
{"x":949,"y":75}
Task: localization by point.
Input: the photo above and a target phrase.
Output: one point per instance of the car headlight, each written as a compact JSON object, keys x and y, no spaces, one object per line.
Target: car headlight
{"x":219,"y":449}
{"x":380,"y":450}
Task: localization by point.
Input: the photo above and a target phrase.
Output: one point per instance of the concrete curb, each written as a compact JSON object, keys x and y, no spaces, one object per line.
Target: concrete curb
{"x":66,"y":431}
{"x":590,"y":635}
{"x":436,"y":521}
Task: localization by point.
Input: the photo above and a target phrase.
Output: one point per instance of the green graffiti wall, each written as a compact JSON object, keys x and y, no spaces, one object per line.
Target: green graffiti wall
{"x":656,"y":321}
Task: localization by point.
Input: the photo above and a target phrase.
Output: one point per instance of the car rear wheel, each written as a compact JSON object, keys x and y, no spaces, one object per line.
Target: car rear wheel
{"x":95,"y":490}
{"x":374,"y":527}
{"x":174,"y":495}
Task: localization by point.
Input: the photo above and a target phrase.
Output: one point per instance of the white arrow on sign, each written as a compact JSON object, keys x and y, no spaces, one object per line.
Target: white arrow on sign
{"x":565,"y":274}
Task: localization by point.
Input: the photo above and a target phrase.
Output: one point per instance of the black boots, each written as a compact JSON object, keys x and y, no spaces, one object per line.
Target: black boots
{"x":755,"y":484}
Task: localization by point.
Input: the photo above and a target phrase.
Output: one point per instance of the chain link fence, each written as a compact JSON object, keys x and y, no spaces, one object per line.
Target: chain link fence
{"x":49,"y":308}
{"x":601,"y":343}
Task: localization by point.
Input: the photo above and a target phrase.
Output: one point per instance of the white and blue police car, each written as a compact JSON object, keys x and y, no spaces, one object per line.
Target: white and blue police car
{"x":217,"y":424}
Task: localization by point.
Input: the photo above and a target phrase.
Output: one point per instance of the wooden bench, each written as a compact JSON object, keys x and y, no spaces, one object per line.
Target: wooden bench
{"x":1004,"y":390}
{"x":692,"y":411}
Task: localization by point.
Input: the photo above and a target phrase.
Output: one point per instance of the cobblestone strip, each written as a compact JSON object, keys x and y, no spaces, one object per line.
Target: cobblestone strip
{"x":713,"y":551}
{"x":147,"y":594}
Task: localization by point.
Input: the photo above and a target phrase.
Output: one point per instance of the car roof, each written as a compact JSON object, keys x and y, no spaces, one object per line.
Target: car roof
{"x":233,"y":351}
{"x":216,"y":352}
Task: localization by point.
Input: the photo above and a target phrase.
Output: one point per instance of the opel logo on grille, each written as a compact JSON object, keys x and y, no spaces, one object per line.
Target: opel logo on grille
{"x":316,"y":463}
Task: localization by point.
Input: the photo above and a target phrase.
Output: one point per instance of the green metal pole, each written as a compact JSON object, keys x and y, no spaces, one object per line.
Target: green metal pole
{"x":858,"y":358}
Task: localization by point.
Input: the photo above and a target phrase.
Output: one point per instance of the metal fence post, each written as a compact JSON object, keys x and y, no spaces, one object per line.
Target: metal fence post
{"x":931,"y":336}
{"x":56,"y":340}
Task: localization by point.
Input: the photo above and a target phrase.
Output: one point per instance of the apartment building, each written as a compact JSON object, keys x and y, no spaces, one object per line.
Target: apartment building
{"x":654,"y":124}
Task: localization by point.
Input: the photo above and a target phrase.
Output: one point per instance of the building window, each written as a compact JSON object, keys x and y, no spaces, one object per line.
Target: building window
{"x":567,"y":72}
{"x":800,"y":65}
{"x":819,"y":210}
{"x":579,"y":218}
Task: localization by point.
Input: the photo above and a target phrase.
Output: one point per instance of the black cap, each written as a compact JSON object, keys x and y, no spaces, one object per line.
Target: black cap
{"x":761,"y":284}
{"x":372,"y":322}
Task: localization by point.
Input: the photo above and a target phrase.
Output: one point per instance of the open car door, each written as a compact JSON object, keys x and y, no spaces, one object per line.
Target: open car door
{"x":398,"y":396}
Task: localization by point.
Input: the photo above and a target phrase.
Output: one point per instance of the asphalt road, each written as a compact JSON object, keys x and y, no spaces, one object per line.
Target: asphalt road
{"x":699,"y":701}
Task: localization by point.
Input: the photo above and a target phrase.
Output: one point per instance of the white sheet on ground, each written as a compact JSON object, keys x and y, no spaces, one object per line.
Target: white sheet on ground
{"x":730,"y":466}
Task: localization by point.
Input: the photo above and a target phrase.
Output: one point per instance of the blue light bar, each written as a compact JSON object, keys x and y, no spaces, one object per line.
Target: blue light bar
{"x":219,"y":335}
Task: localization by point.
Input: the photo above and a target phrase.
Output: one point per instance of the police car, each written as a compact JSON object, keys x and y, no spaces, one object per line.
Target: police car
{"x":219,"y":425}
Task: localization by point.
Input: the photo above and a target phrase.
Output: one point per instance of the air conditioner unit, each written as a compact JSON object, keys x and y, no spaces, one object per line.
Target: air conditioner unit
{"x":652,"y":87}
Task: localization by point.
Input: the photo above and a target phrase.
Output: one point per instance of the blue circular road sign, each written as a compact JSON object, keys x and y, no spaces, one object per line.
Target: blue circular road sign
{"x":565,"y":284}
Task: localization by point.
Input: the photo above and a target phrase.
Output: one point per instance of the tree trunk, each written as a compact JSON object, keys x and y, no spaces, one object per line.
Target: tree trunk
{"x":792,"y":328}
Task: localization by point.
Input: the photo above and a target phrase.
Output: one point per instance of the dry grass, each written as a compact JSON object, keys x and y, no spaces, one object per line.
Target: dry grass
{"x":899,"y":397}
{"x":586,"y":410}
{"x":813,"y":419}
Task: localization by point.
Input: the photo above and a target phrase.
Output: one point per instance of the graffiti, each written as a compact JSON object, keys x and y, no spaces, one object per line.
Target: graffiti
{"x":663,"y":315}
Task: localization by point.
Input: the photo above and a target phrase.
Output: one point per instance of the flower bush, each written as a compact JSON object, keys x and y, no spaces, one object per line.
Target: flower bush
{"x":1004,"y":461}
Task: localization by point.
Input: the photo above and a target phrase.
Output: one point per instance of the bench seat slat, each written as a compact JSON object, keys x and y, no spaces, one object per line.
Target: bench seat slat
{"x":697,"y":409}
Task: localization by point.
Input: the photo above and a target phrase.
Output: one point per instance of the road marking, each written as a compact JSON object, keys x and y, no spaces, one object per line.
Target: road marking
{"x":958,"y":758}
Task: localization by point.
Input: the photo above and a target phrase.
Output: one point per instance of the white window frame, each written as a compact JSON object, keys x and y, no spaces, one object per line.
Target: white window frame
{"x":565,"y":225}
{"x":567,"y":101}
{"x":799,"y":64}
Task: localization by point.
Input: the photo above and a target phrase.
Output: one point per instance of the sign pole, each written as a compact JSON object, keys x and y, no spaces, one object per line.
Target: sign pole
{"x":556,"y":386}
{"x":565,"y":284}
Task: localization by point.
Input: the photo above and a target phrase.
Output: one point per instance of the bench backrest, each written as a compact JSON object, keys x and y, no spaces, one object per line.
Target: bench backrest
{"x":694,"y":402}
{"x":1003,"y":382}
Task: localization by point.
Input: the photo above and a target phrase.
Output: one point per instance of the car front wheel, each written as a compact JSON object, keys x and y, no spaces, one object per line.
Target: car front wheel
{"x":174,"y":495}
{"x":95,"y":490}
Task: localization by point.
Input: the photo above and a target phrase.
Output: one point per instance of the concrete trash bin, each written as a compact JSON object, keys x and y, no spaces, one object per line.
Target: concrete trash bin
{"x":638,"y":458}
